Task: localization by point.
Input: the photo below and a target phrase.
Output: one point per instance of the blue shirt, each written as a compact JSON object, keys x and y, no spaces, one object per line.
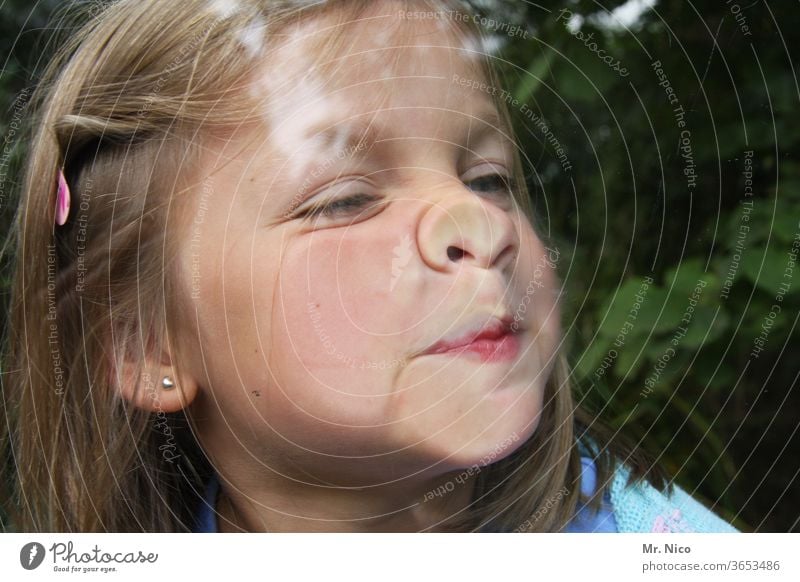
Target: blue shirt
{"x":585,"y":520}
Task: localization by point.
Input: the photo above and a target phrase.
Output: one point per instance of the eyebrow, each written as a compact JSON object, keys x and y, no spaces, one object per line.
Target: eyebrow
{"x":490,"y":122}
{"x":359,"y":136}
{"x":489,"y":117}
{"x":362,"y":136}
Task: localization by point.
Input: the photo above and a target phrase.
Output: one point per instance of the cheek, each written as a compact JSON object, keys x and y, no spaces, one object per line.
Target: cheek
{"x":334,"y":323}
{"x":348,"y":279}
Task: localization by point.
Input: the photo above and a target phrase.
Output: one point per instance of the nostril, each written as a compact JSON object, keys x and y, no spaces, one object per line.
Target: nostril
{"x":454,"y":253}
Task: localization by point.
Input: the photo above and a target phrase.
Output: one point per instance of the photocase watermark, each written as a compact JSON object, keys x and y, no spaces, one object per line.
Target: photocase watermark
{"x":538,"y":121}
{"x":169,"y":448}
{"x":741,"y":20}
{"x":18,"y":106}
{"x":96,"y":560}
{"x":81,"y":236}
{"x":330,"y":347}
{"x":31,"y":555}
{"x":197,"y":234}
{"x":474,"y":469}
{"x":783,"y":288}
{"x":744,"y":228}
{"x":685,"y":143}
{"x":490,"y":24}
{"x":542,"y":511}
{"x":681,"y":331}
{"x":546,"y":261}
{"x":685,"y":148}
{"x":98,"y":7}
{"x":627,"y":327}
{"x":184,"y":51}
{"x":52,"y":318}
{"x":612,"y":63}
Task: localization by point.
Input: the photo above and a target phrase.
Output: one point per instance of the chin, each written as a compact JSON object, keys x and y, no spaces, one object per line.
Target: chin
{"x":481,"y":446}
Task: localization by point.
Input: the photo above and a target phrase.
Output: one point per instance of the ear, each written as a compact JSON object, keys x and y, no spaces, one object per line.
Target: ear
{"x":152,"y":391}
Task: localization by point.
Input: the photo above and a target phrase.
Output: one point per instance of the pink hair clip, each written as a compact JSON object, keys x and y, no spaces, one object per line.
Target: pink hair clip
{"x":62,"y":199}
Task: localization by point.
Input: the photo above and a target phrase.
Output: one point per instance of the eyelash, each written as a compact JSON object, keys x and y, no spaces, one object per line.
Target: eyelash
{"x":348,"y":203}
{"x":355,"y":202}
{"x":508,"y":184}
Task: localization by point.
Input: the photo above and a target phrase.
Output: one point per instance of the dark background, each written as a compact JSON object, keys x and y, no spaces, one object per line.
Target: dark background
{"x":720,"y":417}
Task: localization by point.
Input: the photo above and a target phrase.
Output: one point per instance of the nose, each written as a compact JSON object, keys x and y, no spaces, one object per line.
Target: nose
{"x":463,"y":228}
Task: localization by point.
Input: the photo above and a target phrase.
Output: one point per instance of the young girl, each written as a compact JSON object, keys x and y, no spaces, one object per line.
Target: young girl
{"x":277,"y":270}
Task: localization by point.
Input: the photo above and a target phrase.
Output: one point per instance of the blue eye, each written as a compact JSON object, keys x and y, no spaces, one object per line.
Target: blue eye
{"x":493,"y":183}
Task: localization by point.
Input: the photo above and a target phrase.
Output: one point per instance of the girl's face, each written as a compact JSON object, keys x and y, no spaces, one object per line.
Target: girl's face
{"x":313,"y":329}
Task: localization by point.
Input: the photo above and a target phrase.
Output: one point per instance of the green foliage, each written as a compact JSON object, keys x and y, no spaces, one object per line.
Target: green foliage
{"x":633,"y":207}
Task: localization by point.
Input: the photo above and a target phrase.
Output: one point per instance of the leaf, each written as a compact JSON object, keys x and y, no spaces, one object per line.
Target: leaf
{"x":591,"y":357}
{"x":664,"y":310}
{"x":629,"y":362}
{"x":704,"y":328}
{"x":532,"y":77}
{"x":618,"y":307}
{"x":786,"y":223}
{"x":688,"y":275}
{"x":766,"y":269}
{"x":666,"y":365}
{"x":786,"y":226}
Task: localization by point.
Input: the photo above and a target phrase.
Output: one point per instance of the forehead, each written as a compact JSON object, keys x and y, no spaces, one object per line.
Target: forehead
{"x":383,"y":62}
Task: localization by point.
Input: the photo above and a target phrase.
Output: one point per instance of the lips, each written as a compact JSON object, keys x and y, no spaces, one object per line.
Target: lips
{"x":494,"y":340}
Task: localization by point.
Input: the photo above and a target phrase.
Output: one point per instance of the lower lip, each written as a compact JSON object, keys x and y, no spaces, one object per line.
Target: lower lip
{"x":502,"y":349}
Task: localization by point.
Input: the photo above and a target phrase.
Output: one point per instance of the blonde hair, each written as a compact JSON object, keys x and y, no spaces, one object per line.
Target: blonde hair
{"x":124,"y":109}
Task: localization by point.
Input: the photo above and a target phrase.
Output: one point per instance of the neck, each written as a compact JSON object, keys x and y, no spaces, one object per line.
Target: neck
{"x":289,"y":506}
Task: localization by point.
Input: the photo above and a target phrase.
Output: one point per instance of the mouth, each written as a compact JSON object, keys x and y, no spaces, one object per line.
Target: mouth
{"x":496,"y":341}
